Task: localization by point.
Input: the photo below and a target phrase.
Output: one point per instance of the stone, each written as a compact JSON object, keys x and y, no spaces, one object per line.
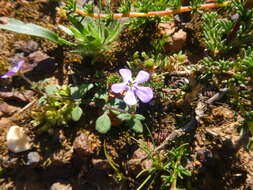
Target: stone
{"x":85,"y":145}
{"x":60,"y":186}
{"x":101,"y":164}
{"x":17,"y":140}
{"x":178,"y":41}
{"x":33,"y":158}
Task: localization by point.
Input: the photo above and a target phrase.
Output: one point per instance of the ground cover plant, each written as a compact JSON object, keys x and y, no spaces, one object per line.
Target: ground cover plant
{"x":122,"y":94}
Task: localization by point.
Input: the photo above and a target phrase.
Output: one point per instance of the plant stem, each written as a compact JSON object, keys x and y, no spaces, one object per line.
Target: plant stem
{"x":43,"y":93}
{"x":116,"y":109}
{"x":154,"y":13}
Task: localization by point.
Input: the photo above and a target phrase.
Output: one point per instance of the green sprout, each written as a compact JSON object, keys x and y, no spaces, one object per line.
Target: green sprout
{"x":168,"y":167}
{"x":59,"y":106}
{"x":215,"y":30}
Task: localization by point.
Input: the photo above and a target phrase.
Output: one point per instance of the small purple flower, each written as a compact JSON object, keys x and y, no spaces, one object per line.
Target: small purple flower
{"x":145,"y":94}
{"x":13,"y":70}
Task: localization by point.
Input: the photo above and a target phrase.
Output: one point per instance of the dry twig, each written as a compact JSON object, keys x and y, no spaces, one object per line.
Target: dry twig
{"x":167,"y":12}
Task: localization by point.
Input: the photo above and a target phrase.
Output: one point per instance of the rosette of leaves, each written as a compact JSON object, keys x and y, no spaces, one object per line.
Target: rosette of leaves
{"x":60,"y":105}
{"x":93,"y":37}
{"x":215,"y":31}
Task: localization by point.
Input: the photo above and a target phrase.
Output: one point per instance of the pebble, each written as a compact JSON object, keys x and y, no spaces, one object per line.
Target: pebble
{"x":33,"y":158}
{"x":60,"y":186}
{"x":17,"y":140}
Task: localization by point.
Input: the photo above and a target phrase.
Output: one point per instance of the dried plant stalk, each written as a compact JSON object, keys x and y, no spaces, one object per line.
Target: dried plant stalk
{"x":154,"y":13}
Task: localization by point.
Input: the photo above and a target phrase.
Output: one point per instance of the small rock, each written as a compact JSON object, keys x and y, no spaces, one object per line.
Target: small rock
{"x":23,"y":96}
{"x":7,"y":109}
{"x":60,"y":186}
{"x":101,"y":164}
{"x":4,"y":20}
{"x":167,"y":29}
{"x":17,"y":140}
{"x":84,"y":146}
{"x":223,"y":113}
{"x":26,"y":46}
{"x":33,"y":158}
{"x":178,"y":41}
{"x":134,"y":165}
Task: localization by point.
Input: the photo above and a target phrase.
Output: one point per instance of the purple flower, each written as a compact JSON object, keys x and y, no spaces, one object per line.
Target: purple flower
{"x":13,"y":70}
{"x":145,"y":94}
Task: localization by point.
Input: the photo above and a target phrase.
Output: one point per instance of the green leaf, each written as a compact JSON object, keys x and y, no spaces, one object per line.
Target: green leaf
{"x":42,"y":100}
{"x":76,"y":113}
{"x":34,"y":30}
{"x":103,"y":124}
{"x":78,"y":92}
{"x":66,"y":30}
{"x":186,"y":172}
{"x":136,"y":125}
{"x":102,"y":95}
{"x":51,"y":89}
{"x":77,"y":24}
{"x":124,"y":116}
{"x":139,"y":117}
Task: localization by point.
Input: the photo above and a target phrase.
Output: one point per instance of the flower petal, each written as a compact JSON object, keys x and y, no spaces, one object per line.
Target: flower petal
{"x":119,"y":87}
{"x":130,"y":98}
{"x":145,"y":94}
{"x":126,"y":74}
{"x":17,"y":67}
{"x":8,"y":74}
{"x":13,"y":70}
{"x":142,"y":77}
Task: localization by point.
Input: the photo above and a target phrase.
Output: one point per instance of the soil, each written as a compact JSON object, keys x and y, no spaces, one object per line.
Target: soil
{"x":73,"y":157}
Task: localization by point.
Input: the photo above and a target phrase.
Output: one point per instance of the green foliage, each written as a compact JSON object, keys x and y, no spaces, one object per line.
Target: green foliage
{"x":34,"y":30}
{"x":195,"y":4}
{"x":230,"y":73}
{"x":244,"y":33}
{"x":60,"y":105}
{"x":125,"y":7}
{"x":146,"y":6}
{"x":76,"y":113}
{"x":215,"y":31}
{"x":93,"y":37}
{"x":169,"y":165}
{"x":70,"y":5}
{"x":176,"y":170}
{"x":175,"y":4}
{"x":117,"y":109}
{"x":215,"y":69}
{"x":103,"y":123}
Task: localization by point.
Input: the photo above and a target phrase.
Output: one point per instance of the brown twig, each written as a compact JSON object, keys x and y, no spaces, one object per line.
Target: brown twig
{"x":26,"y":107}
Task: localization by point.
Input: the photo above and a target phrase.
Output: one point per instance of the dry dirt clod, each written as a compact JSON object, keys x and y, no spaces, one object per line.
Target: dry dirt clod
{"x":134,"y":165}
{"x":17,"y":140}
{"x":101,"y":164}
{"x":23,"y":96}
{"x":84,"y":146}
{"x":167,"y":28}
{"x":26,"y":46}
{"x":178,"y":41}
{"x":7,"y":110}
{"x":60,"y":186}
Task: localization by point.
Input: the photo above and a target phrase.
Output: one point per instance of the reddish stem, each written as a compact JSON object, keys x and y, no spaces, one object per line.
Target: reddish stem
{"x":153,"y":13}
